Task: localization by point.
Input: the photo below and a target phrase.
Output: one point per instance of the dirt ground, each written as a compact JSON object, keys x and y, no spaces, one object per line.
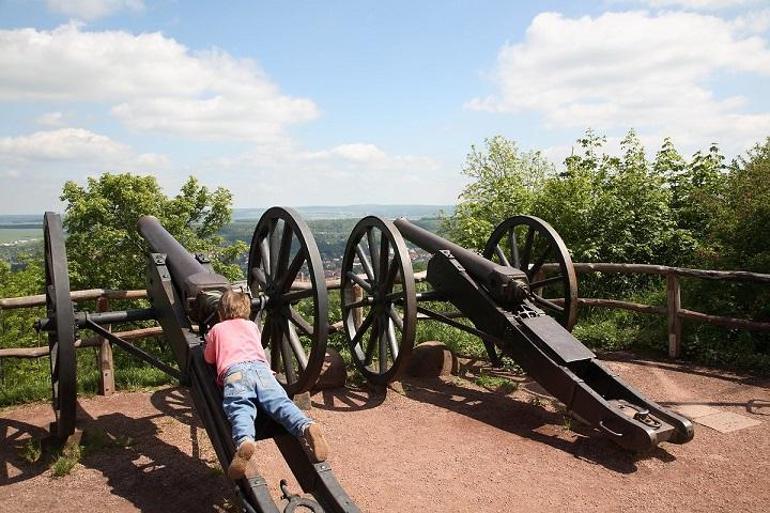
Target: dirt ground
{"x":427,"y":445}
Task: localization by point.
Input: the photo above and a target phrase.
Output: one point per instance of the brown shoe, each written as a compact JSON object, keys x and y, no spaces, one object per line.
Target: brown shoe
{"x":314,"y":443}
{"x":241,"y":460}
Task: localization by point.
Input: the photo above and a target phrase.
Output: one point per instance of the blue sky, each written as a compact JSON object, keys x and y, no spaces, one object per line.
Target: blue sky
{"x":311,"y":103}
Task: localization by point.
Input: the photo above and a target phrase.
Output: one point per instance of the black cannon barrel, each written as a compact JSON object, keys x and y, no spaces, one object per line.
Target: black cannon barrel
{"x":181,"y":263}
{"x":504,"y":282}
{"x":187,"y":273}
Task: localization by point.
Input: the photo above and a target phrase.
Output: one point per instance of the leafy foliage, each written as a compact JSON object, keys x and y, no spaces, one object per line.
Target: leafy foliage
{"x":103,"y":245}
{"x":505,"y":182}
{"x":699,"y":212}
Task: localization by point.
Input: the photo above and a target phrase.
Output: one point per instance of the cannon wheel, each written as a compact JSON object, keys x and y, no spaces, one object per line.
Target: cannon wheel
{"x":379,"y":322}
{"x":529,"y":243}
{"x":294,"y":323}
{"x":61,"y":338}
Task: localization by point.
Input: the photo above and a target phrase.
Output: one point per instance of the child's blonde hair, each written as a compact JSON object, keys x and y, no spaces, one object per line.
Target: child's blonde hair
{"x":234,"y":305}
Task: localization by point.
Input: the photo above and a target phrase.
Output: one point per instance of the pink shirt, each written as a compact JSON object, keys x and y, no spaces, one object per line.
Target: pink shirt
{"x":233,"y":341}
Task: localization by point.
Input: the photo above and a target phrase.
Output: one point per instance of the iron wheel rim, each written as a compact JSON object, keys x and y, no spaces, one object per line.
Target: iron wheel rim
{"x":564,"y":283}
{"x":61,"y":339}
{"x":273,"y":267}
{"x":390,"y":312}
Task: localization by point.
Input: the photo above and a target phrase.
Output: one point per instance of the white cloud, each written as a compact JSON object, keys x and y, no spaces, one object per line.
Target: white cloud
{"x":634,"y":69}
{"x":35,"y":166}
{"x":343,"y":174}
{"x":152,"y":82}
{"x":704,"y":5}
{"x":73,"y":144}
{"x":365,"y":156}
{"x":93,"y":9}
{"x":50,"y":119}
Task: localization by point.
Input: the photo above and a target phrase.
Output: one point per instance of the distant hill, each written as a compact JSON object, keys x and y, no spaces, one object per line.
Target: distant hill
{"x":354,"y":211}
{"x":21,"y":221}
{"x":311,"y":212}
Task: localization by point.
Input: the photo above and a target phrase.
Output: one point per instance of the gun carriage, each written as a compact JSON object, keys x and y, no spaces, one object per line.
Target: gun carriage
{"x":184,"y":292}
{"x":520,"y":297}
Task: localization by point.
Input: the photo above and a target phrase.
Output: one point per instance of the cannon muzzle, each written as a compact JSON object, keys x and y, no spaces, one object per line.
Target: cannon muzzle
{"x":189,"y":275}
{"x":506,"y":284}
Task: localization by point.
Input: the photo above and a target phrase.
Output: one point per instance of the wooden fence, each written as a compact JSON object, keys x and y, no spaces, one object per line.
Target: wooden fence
{"x":673,"y":310}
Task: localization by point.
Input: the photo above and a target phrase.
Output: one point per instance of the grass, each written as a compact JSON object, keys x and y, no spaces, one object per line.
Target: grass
{"x":63,"y":466}
{"x":66,"y":461}
{"x":496,"y":383}
{"x":31,"y":451}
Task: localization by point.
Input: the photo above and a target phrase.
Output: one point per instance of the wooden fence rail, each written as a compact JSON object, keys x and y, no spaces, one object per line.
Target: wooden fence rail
{"x":673,"y":309}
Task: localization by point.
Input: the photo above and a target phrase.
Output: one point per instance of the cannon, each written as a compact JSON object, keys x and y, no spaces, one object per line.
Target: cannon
{"x":184,"y":292}
{"x":520,"y":297}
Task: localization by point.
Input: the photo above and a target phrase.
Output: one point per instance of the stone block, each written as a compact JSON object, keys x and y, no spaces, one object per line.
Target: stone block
{"x":430,"y":360}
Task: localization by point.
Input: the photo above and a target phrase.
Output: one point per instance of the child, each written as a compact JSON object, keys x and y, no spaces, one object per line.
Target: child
{"x":235,"y":345}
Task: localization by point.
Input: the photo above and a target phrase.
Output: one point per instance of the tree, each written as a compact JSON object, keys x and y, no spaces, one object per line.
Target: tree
{"x":505,"y":183}
{"x":741,"y":227}
{"x":697,"y":195}
{"x":104,"y":248}
{"x":23,"y":379}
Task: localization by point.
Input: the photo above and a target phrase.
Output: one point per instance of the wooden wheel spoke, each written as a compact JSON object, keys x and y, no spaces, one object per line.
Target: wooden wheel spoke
{"x":260,"y":276}
{"x":373,"y":339}
{"x":514,"y":248}
{"x":393,"y":270}
{"x":274,"y":247}
{"x":391,"y":334}
{"x":284,"y":251}
{"x":542,"y":283}
{"x":540,"y":261}
{"x":365,"y":263}
{"x":264,"y":251}
{"x":384,"y":257}
{"x":275,"y":346}
{"x":383,"y":346}
{"x":366,"y":301}
{"x":362,"y":329}
{"x":546,"y":303}
{"x":394,"y":296}
{"x":359,"y":281}
{"x":397,"y":320}
{"x":373,"y":252}
{"x":286,"y":353}
{"x":527,"y":249}
{"x":296,"y":345}
{"x":300,"y":322}
{"x":501,"y":255}
{"x":292,"y":271}
{"x":296,"y":295}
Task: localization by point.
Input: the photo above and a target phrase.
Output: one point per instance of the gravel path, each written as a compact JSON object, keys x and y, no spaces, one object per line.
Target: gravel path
{"x":428,"y":445}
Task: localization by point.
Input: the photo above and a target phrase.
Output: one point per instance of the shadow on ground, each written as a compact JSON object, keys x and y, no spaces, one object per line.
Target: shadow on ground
{"x":531,"y":421}
{"x":347,"y":399}
{"x":139,"y":466}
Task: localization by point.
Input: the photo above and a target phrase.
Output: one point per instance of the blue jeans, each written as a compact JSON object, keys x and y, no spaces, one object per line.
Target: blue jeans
{"x":248,"y":384}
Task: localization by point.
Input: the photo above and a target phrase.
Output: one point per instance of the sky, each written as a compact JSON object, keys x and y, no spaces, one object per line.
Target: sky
{"x":339,"y":103}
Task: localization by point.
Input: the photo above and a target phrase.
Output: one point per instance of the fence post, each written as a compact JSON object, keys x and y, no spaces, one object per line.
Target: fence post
{"x":673,"y":305}
{"x":353,"y":295}
{"x":106,"y":367}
